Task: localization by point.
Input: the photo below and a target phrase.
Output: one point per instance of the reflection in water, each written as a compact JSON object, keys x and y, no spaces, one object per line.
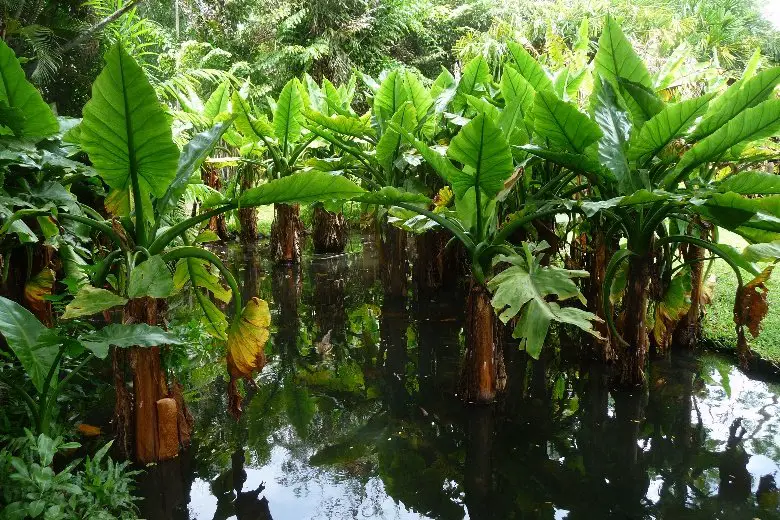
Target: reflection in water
{"x":355,"y":417}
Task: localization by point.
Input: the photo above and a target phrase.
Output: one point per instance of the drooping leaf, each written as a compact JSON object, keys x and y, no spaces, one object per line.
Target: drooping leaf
{"x":561,"y":126}
{"x":749,"y":125}
{"x":388,"y":148}
{"x":346,"y":125}
{"x":21,"y":98}
{"x":302,"y":187}
{"x":123,"y":336}
{"x":214,"y":320}
{"x":246,"y":339}
{"x":669,"y":124}
{"x":125,"y":130}
{"x":522,"y":290}
{"x":751,"y":305}
{"x":480,"y":146}
{"x":738,"y":97}
{"x":74,"y":267}
{"x":197,"y":271}
{"x":671,"y":309}
{"x":529,"y":68}
{"x":572,"y":161}
{"x":35,"y":291}
{"x":91,"y":300}
{"x":23,"y":332}
{"x":150,"y":278}
{"x":288,"y":116}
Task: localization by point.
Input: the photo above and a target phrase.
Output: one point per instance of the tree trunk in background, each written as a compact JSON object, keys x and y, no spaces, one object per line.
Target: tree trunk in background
{"x":211,"y":178}
{"x":247,"y":217}
{"x":330,"y":231}
{"x":688,"y":331}
{"x":483,"y":375}
{"x":393,"y":260}
{"x":156,"y":435}
{"x":286,"y":234}
{"x":633,"y":358}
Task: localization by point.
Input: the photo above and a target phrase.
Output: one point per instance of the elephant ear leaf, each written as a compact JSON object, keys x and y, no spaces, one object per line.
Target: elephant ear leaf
{"x":123,"y":336}
{"x":246,"y":339}
{"x":25,"y":337}
{"x":21,"y":106}
{"x":481,"y":147}
{"x":561,"y":125}
{"x":522,"y":290}
{"x":288,"y":116}
{"x":126,"y":132}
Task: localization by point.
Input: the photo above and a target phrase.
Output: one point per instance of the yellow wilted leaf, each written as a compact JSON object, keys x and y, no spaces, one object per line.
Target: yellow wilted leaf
{"x":247,"y":337}
{"x":751,"y":305}
{"x":39,"y":286}
{"x":442,"y":199}
{"x":246,"y":341}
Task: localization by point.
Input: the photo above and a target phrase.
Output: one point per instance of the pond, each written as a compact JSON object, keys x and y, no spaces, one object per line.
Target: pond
{"x":357,"y":416}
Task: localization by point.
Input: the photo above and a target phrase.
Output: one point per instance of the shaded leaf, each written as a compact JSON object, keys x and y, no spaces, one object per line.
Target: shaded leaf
{"x":91,"y":300}
{"x":123,"y":336}
{"x":150,"y":278}
{"x":23,"y":333}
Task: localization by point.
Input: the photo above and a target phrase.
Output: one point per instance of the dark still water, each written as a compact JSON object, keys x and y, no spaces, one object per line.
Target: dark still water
{"x":356,"y":417}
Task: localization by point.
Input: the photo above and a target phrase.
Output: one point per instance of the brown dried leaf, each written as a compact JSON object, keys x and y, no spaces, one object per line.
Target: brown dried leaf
{"x":35,"y":291}
{"x":246,"y":341}
{"x":751,"y":305}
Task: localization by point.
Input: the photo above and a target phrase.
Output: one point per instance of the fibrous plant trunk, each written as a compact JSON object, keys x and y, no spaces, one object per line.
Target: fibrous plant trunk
{"x":483,"y":375}
{"x":247,"y":217}
{"x":633,"y":357}
{"x":394,"y":260}
{"x":158,"y":418}
{"x":286,"y":233}
{"x":330,"y":231}
{"x":688,"y":331}
{"x":212,"y":179}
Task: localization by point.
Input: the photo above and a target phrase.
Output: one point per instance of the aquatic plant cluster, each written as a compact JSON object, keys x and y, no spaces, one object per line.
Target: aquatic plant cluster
{"x":584,"y":203}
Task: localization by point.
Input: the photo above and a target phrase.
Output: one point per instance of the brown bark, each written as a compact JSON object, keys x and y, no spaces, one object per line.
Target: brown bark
{"x":247,"y":217}
{"x":167,"y":428}
{"x":483,"y":375}
{"x":123,"y":407}
{"x":330,"y":231}
{"x":286,"y":233}
{"x":211,"y":178}
{"x":149,"y":386}
{"x":394,"y":261}
{"x":633,"y":358}
{"x":688,"y":331}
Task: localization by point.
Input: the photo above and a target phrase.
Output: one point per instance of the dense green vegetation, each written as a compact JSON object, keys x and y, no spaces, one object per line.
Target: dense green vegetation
{"x":581,"y":167}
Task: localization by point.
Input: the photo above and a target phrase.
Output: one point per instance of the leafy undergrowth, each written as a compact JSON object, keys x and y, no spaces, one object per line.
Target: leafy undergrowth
{"x":718,"y":325}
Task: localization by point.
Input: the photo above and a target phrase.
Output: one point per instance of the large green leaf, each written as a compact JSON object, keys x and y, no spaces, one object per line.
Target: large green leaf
{"x":345,"y":125}
{"x":519,"y":100}
{"x":482,"y":148}
{"x":751,"y":124}
{"x":669,"y":124}
{"x":123,"y":336}
{"x":616,"y":57}
{"x":23,"y":333}
{"x":91,"y":300}
{"x":642,"y":102}
{"x":751,"y":183}
{"x":616,"y":129}
{"x":390,"y":195}
{"x":288,"y":116}
{"x":150,"y":278}
{"x":420,"y":98}
{"x":310,"y":186}
{"x":218,"y":101}
{"x":126,"y":132}
{"x":21,"y":98}
{"x":561,"y":126}
{"x":738,"y":97}
{"x":523,"y":288}
{"x":198,"y":272}
{"x":514,"y":87}
{"x":389,"y":146}
{"x":529,"y":68}
{"x":390,"y":96}
{"x":572,"y":161}
{"x":475,"y":73}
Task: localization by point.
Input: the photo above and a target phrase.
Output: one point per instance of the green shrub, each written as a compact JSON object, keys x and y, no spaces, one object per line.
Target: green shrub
{"x":216,"y":59}
{"x":98,"y":489}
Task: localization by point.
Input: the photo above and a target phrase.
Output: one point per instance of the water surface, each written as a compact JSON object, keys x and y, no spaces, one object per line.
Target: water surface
{"x":356,"y":416}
